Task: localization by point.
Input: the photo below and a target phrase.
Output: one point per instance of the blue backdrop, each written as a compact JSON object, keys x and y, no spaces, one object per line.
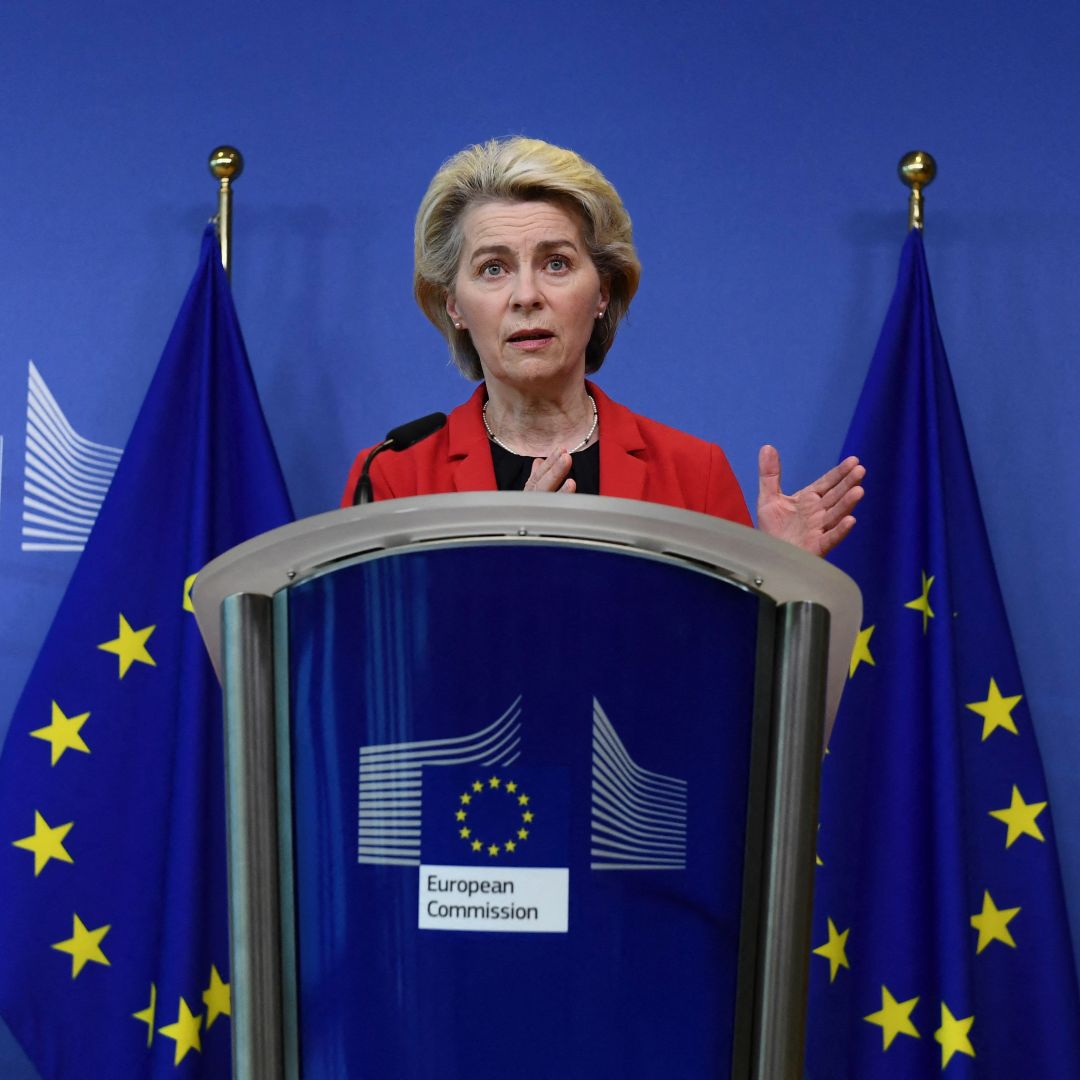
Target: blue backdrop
{"x":754,"y":144}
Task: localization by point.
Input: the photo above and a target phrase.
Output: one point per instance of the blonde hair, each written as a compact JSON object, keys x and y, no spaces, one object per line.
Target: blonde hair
{"x":521,"y":170}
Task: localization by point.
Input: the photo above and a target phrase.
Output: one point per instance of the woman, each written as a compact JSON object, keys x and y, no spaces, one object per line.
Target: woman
{"x":525,"y":263}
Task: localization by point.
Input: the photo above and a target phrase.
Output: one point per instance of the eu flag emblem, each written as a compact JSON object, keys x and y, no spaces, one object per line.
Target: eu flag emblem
{"x":113,"y":907}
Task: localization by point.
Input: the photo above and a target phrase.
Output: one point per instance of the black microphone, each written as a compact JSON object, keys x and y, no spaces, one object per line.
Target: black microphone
{"x":415,"y":431}
{"x":400,"y":438}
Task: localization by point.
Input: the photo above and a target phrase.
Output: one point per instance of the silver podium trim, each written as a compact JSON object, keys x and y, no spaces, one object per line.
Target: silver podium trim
{"x":747,"y":557}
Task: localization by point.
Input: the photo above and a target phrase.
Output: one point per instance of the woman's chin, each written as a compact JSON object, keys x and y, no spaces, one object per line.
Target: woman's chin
{"x":534,"y":369}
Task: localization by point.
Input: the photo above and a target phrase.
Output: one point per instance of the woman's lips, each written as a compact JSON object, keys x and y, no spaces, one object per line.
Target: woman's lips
{"x":531,"y":340}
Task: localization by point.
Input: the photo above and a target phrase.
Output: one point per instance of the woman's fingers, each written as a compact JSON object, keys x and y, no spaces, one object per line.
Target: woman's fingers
{"x":768,"y":472}
{"x":842,"y":505}
{"x":838,"y":480}
{"x":843,"y":496}
{"x":831,"y":537}
{"x":550,"y":473}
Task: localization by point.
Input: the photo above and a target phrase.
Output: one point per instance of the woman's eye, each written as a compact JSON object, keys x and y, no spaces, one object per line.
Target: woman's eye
{"x":490,"y":270}
{"x":558,"y":263}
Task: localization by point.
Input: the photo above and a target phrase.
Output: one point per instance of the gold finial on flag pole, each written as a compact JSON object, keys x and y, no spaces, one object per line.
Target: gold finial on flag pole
{"x":916,"y":169}
{"x":226,"y":163}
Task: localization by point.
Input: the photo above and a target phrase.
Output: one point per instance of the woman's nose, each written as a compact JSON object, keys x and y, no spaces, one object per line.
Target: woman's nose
{"x":526,"y":293}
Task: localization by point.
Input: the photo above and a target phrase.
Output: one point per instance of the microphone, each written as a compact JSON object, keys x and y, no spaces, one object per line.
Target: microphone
{"x":414,"y":431}
{"x":399,"y":438}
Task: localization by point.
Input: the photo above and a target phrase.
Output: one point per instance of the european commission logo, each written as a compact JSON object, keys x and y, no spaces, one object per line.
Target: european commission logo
{"x":491,"y":834}
{"x":495,"y":849}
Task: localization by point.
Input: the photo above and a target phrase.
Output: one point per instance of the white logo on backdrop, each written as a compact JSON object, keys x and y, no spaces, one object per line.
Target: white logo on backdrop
{"x":638,"y":817}
{"x":390,"y":784}
{"x":66,"y":476}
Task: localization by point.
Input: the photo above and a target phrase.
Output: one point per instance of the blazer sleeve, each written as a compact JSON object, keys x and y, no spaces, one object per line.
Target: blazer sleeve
{"x":380,"y":481}
{"x":723,"y":496}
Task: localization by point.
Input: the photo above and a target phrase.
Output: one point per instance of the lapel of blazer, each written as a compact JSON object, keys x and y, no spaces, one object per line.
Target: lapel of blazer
{"x":470,"y":464}
{"x":622,"y":461}
{"x":622,"y":465}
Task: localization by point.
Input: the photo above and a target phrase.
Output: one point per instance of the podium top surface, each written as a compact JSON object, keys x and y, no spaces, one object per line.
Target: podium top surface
{"x":747,"y":558}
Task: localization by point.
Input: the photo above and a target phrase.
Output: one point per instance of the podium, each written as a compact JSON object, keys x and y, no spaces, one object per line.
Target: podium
{"x":523,"y":786}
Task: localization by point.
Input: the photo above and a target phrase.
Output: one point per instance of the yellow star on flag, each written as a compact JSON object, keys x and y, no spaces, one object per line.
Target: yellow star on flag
{"x":478,"y":785}
{"x":461,"y":815}
{"x":894,"y":1018}
{"x":523,"y":800}
{"x":188,"y":605}
{"x":464,"y":832}
{"x":511,"y":787}
{"x":494,"y":782}
{"x":493,"y":850}
{"x":217,"y":998}
{"x":184,"y":1032}
{"x":130,"y":645}
{"x":510,"y":845}
{"x":922,"y":603}
{"x":477,"y":845}
{"x":83,"y":946}
{"x":63,"y":733}
{"x":523,"y":834}
{"x":1020,"y":818}
{"x":996,"y":711}
{"x":46,"y":843}
{"x":953,"y":1035}
{"x":860,"y":652}
{"x":147,"y":1015}
{"x":834,"y":950}
{"x":466,"y":799}
{"x":527,"y":816}
{"x":993,"y":923}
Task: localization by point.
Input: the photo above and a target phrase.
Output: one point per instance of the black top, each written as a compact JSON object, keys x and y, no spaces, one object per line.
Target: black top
{"x":512,"y":470}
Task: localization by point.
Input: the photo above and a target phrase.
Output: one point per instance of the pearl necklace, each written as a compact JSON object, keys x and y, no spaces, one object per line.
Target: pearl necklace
{"x":580,"y":446}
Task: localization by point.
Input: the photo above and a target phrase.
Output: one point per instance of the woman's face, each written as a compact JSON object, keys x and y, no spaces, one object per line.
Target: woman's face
{"x":528,"y":293}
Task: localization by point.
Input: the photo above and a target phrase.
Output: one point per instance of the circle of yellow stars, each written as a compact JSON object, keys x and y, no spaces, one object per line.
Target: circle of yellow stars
{"x":466,"y":801}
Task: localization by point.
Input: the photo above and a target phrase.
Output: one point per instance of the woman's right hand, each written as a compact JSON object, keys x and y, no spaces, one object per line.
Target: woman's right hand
{"x":550,"y":473}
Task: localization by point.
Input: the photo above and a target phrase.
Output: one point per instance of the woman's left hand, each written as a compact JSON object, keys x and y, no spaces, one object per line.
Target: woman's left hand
{"x":816,"y":518}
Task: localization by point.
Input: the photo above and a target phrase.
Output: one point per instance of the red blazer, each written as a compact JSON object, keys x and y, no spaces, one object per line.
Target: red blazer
{"x":639,"y":459}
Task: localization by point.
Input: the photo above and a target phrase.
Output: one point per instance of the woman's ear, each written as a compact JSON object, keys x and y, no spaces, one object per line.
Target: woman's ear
{"x":452,"y":311}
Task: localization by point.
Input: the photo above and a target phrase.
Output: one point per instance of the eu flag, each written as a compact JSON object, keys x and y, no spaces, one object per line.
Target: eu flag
{"x":113,"y":913}
{"x":941,"y":945}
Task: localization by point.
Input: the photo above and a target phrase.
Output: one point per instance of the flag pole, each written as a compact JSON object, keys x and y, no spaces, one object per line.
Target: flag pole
{"x":916,"y":169}
{"x":226,"y":163}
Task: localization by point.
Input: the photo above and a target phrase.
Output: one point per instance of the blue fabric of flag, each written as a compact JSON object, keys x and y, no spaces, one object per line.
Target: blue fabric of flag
{"x":940,"y":936}
{"x":113,"y":911}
